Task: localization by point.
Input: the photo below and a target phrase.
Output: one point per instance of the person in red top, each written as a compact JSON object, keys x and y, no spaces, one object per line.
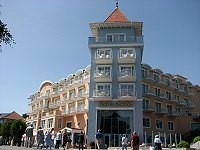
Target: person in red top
{"x":135,"y":141}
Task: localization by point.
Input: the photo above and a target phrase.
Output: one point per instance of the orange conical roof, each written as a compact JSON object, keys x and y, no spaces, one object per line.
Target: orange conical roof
{"x":116,"y":16}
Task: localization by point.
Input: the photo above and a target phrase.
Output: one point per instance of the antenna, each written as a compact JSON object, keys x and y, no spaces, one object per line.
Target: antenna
{"x":117,"y":2}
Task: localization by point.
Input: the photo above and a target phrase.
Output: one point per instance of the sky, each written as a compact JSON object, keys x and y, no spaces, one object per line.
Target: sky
{"x":52,"y":41}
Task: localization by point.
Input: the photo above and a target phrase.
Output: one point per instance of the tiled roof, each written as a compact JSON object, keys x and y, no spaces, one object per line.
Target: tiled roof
{"x":13,"y":115}
{"x":116,"y":16}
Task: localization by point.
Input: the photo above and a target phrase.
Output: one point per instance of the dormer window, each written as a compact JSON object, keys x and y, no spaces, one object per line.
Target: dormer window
{"x":116,"y":37}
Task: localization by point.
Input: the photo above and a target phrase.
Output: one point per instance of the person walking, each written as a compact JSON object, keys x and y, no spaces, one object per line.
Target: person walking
{"x":40,"y":137}
{"x":157,"y":143}
{"x":29,"y":136}
{"x":65,"y":140}
{"x":52,"y":137}
{"x":124,"y":142}
{"x":80,"y":140}
{"x":47,"y":139}
{"x":58,"y":139}
{"x":99,"y":138}
{"x":135,"y":141}
{"x":19,"y":136}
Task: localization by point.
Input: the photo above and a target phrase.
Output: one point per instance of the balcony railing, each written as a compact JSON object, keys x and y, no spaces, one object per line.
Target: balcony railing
{"x":131,"y":39}
{"x":127,"y":93}
{"x":102,"y":93}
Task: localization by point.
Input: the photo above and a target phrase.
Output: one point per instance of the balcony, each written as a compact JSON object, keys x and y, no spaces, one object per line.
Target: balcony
{"x":149,"y":93}
{"x":102,"y":76}
{"x":127,"y":75}
{"x":172,"y":113}
{"x":127,"y":58}
{"x":137,"y":40}
{"x":53,"y":105}
{"x":148,"y":109}
{"x":148,"y":78}
{"x":82,"y":109}
{"x":126,"y":94}
{"x":43,"y":96}
{"x":160,"y":111}
{"x":102,"y":95}
{"x":103,"y":59}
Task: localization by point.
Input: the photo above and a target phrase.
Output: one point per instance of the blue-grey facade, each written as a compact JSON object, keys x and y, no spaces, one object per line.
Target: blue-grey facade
{"x":115,"y":96}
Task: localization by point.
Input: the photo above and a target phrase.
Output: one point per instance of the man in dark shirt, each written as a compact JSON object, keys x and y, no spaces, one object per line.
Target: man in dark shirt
{"x":81,"y":140}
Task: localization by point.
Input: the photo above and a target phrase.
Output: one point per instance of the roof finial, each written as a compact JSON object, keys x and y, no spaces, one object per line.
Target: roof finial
{"x":117,"y":3}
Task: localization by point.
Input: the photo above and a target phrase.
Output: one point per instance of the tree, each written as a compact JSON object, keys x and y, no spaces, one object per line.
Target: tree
{"x":14,"y":129}
{"x":5,"y":35}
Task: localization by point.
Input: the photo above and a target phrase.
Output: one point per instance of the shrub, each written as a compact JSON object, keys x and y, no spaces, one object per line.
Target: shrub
{"x":196,"y":139}
{"x":183,"y":144}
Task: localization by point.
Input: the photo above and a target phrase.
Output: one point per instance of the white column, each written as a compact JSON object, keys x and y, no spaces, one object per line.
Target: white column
{"x":170,"y":139}
{"x":152,"y":138}
{"x":165,"y":139}
{"x":175,"y":140}
{"x":145,"y":137}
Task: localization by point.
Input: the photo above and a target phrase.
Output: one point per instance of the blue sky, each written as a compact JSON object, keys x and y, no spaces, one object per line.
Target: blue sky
{"x":51,"y":40}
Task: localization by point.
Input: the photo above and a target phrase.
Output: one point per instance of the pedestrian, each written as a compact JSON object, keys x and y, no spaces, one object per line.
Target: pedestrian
{"x":47,"y":139}
{"x":29,"y":136}
{"x":52,"y":137}
{"x":99,"y":139}
{"x":58,"y":139}
{"x":157,"y":143}
{"x":19,"y":136}
{"x":135,"y":141}
{"x":81,"y":140}
{"x":65,"y":140}
{"x":40,"y":137}
{"x":124,"y":142}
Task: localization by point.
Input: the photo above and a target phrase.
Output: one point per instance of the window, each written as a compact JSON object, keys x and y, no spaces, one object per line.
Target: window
{"x":156,"y":76}
{"x":146,"y":122}
{"x":103,"y":53}
{"x":157,"y":92}
{"x":127,"y":52}
{"x":178,"y":111}
{"x":176,"y":85}
{"x":43,"y":124}
{"x":158,"y":107}
{"x":103,"y":89}
{"x":167,"y":81}
{"x":170,"y":126}
{"x":185,"y":89}
{"x":168,"y":94}
{"x":127,"y":71}
{"x":59,"y":123}
{"x":115,"y":37}
{"x":103,"y":71}
{"x":145,"y":88}
{"x":50,"y":123}
{"x":127,"y":89}
{"x":169,"y":109}
{"x":71,"y":94}
{"x":69,"y":124}
{"x":146,"y":103}
{"x":186,"y":102}
{"x":144,"y":72}
{"x":80,"y":92}
{"x":159,"y":124}
{"x":177,"y":98}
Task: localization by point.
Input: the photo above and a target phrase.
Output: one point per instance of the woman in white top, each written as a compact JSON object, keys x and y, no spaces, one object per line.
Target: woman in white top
{"x":124,"y":142}
{"x":157,"y":143}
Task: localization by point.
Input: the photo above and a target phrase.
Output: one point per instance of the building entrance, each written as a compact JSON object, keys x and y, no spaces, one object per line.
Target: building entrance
{"x":113,"y":124}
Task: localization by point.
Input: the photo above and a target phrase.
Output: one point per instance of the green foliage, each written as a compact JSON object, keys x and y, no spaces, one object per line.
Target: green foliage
{"x":5,"y":35}
{"x":191,"y":135}
{"x":14,"y":129}
{"x":196,"y":139}
{"x":183,"y":144}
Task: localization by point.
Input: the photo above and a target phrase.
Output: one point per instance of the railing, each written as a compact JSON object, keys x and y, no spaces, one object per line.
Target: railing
{"x":136,"y":39}
{"x":127,"y":93}
{"x":126,"y":72}
{"x":102,"y":93}
{"x":99,"y":73}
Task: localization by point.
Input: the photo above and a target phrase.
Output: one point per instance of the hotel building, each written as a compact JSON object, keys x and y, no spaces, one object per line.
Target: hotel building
{"x":116,"y":92}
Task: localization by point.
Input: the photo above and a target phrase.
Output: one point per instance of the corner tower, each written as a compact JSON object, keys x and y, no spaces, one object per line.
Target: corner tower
{"x":115,"y":96}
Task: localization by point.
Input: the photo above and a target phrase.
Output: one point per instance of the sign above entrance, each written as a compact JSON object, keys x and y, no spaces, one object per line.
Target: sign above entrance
{"x":116,"y":103}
